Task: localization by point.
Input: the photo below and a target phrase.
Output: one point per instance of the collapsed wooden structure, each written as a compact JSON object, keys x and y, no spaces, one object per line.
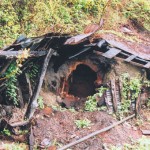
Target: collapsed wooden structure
{"x":59,"y":49}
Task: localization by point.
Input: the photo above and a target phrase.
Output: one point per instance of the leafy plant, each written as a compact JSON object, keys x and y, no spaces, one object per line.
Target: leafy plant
{"x":6,"y":132}
{"x":91,"y":103}
{"x":11,"y":88}
{"x":40,"y":102}
{"x":83,"y":123}
{"x":11,"y":76}
{"x":130,"y":91}
{"x":33,"y":71}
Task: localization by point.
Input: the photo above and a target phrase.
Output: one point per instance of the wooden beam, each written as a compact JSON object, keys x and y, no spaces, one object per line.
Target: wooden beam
{"x":33,"y":102}
{"x":14,"y":54}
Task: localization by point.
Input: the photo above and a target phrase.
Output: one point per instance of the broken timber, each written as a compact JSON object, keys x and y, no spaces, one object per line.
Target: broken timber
{"x":14,"y":54}
{"x":67,"y":48}
{"x":33,"y":101}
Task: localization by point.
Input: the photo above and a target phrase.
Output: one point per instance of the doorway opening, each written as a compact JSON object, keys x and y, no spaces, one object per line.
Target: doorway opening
{"x":81,"y":81}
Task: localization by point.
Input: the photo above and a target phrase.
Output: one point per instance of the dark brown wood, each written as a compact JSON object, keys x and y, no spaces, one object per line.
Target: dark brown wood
{"x":19,"y":95}
{"x":138,"y":105}
{"x":33,"y":102}
{"x":3,"y":70}
{"x":114,"y":99}
{"x":120,"y":89}
{"x":29,"y":85}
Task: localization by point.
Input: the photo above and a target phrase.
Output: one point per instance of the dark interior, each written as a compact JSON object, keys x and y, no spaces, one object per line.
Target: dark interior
{"x":81,"y":81}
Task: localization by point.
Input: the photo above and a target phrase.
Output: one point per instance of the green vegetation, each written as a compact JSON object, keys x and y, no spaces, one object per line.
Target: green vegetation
{"x":36,"y":17}
{"x":141,"y":144}
{"x":11,"y":88}
{"x":11,"y":76}
{"x":91,"y":103}
{"x":6,"y":132}
{"x":40,"y":102}
{"x":33,"y":71}
{"x":14,"y":146}
{"x":130,"y":91}
{"x":84,"y":123}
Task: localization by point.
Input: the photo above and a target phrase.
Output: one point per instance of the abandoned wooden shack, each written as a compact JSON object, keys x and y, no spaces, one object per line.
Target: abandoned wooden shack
{"x":71,"y":68}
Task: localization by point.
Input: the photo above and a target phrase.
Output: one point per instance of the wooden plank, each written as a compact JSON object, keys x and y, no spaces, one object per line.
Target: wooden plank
{"x":138,"y":105}
{"x":114,"y":99}
{"x":33,"y":102}
{"x":14,"y":54}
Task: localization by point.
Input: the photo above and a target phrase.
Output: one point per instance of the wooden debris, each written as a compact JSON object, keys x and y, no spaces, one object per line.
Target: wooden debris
{"x":33,"y":102}
{"x":17,"y":124}
{"x":138,"y":105}
{"x":114,"y":97}
{"x":31,"y":139}
{"x":14,"y":54}
{"x":19,"y":95}
{"x":29,"y":85}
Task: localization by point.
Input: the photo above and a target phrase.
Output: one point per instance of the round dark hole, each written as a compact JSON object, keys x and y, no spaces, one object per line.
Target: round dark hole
{"x":81,"y":81}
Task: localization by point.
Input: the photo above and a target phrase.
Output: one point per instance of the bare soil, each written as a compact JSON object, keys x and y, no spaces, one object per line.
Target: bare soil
{"x":58,"y":128}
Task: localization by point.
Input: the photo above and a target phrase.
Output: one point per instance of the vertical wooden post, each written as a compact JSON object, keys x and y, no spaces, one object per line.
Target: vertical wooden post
{"x":33,"y":102}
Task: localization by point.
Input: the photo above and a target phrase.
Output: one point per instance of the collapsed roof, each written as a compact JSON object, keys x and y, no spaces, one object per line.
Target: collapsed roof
{"x":68,"y":47}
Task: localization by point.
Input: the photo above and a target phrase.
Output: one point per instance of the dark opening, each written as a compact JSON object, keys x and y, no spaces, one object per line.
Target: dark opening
{"x":81,"y":81}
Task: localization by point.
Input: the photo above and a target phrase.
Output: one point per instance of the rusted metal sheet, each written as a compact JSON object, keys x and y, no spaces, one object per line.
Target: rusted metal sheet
{"x":130,"y":58}
{"x":67,"y":47}
{"x":140,"y":50}
{"x":112,"y":52}
{"x":147,"y":65}
{"x":77,"y":39}
{"x":91,"y":28}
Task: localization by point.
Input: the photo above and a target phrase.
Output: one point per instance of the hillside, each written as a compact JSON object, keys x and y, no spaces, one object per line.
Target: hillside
{"x":36,"y":17}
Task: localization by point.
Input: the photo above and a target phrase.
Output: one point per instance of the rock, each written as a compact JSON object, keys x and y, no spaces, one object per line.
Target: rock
{"x":8,"y":109}
{"x":46,"y":142}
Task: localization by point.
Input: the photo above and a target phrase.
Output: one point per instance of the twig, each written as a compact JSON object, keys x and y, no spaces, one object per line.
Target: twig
{"x":95,"y":133}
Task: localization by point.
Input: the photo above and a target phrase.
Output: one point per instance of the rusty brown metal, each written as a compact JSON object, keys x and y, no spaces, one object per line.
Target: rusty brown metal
{"x":77,"y":39}
{"x":139,"y":48}
{"x":91,"y":28}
